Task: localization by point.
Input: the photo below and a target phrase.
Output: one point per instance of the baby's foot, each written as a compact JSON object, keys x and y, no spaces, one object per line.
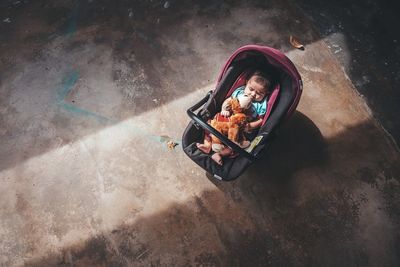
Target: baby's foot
{"x":244,"y":144}
{"x":225,"y":152}
{"x":217,"y":158}
{"x":204,"y":148}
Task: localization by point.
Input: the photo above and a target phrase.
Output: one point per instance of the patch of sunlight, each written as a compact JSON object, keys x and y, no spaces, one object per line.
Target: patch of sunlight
{"x":329,"y":97}
{"x":103,"y":180}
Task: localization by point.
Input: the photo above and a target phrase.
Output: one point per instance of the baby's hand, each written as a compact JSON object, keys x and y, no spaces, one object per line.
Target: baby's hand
{"x":225,"y":113}
{"x":247,"y":128}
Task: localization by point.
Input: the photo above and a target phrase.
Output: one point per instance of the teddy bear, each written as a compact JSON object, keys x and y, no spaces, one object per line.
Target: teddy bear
{"x":232,"y":119}
{"x":230,"y":126}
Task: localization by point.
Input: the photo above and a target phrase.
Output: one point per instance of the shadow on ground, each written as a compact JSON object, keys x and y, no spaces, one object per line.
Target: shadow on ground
{"x":295,"y":207}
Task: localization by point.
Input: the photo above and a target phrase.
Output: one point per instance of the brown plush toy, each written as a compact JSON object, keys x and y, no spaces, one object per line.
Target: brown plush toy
{"x":233,"y":126}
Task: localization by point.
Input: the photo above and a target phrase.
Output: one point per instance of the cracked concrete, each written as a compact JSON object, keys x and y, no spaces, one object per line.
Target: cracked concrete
{"x":91,"y":91}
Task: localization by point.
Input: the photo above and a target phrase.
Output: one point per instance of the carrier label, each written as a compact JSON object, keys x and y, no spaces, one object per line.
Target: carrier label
{"x":254,"y":143}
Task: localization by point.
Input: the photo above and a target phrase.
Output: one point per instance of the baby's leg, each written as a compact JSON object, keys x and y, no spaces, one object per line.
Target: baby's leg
{"x":217,"y":158}
{"x":226,"y":151}
{"x":206,"y":146}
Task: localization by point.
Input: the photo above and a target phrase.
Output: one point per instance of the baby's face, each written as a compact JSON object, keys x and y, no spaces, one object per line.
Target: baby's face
{"x":255,"y":90}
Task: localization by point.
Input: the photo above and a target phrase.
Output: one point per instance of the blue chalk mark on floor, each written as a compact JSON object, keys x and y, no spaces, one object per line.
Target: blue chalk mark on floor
{"x":71,"y":79}
{"x":74,"y":109}
{"x":68,"y":84}
{"x":72,"y":25}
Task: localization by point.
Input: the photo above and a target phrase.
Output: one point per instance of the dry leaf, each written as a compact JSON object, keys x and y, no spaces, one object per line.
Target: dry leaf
{"x":296,"y":43}
{"x":171,"y":145}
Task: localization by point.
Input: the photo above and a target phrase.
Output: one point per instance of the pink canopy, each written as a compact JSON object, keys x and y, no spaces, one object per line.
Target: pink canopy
{"x":275,"y":58}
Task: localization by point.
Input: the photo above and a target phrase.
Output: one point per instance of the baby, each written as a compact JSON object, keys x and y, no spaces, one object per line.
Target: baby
{"x":257,"y":87}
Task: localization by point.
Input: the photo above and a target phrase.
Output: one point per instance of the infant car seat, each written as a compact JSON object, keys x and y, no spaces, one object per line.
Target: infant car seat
{"x":281,"y":104}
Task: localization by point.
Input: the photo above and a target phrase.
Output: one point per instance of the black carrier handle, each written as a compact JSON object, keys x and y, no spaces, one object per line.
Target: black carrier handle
{"x":200,"y":122}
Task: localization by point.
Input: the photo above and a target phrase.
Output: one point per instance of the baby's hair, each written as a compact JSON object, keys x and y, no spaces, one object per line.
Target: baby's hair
{"x":263,"y":78}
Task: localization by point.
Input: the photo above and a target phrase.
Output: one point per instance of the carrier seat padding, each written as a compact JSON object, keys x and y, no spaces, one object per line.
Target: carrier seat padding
{"x":230,"y":170}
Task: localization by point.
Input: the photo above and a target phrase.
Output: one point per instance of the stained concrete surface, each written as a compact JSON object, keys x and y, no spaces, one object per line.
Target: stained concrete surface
{"x":91,"y":91}
{"x":364,"y":37}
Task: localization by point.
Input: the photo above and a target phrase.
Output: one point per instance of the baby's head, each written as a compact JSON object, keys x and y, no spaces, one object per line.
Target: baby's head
{"x":258,"y":85}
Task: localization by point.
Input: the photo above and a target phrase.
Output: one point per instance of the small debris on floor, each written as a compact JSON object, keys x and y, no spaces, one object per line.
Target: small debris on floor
{"x":166,"y":4}
{"x":296,"y":43}
{"x":7,"y":20}
{"x":169,"y":141}
{"x":337,"y":47}
{"x":141,"y":254}
{"x":171,"y":145}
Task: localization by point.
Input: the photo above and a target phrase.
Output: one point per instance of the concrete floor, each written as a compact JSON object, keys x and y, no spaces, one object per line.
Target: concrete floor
{"x":362,"y":35}
{"x":90,"y":92}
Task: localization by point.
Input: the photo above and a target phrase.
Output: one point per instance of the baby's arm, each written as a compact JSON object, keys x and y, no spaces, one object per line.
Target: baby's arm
{"x":226,"y":106}
{"x":253,"y":125}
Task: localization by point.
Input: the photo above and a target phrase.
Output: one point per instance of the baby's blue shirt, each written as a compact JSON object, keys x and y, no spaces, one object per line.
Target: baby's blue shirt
{"x":258,"y":108}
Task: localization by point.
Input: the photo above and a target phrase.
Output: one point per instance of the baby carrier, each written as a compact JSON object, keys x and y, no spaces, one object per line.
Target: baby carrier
{"x":282,"y":102}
